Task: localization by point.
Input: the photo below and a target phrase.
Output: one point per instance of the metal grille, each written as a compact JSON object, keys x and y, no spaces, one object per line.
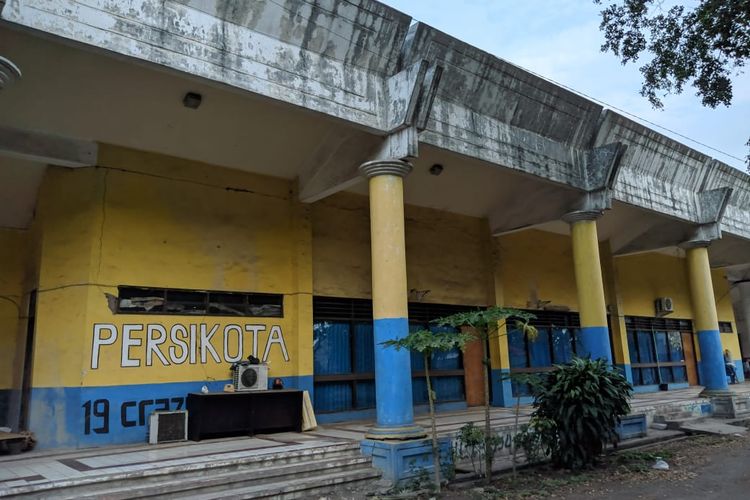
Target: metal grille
{"x":669,"y":324}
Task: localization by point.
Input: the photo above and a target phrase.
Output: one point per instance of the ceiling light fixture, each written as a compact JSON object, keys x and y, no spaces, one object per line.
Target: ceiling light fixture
{"x":192,"y":100}
{"x":436,"y":169}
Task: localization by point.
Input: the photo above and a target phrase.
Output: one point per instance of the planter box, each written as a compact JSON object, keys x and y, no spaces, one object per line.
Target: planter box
{"x":632,"y":426}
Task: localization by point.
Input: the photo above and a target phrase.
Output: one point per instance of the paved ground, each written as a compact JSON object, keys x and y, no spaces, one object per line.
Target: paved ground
{"x":43,"y":466}
{"x":718,"y":470}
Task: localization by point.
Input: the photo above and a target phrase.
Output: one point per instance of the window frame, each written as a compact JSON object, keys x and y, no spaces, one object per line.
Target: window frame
{"x":207,"y":300}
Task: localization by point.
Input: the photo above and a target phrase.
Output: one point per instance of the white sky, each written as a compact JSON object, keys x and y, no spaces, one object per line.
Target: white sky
{"x":560,"y":40}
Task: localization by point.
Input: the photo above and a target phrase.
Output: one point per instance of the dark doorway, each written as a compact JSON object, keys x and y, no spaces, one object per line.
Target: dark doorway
{"x":28,"y":363}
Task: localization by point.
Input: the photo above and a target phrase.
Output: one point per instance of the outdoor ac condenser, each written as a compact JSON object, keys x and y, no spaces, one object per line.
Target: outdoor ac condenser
{"x":167,"y":426}
{"x":664,"y":306}
{"x":250,"y":378}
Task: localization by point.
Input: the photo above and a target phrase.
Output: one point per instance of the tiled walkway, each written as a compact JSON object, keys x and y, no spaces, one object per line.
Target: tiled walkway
{"x":42,"y":466}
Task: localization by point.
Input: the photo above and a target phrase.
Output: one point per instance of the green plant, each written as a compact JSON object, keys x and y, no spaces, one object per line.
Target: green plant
{"x":533,"y":380}
{"x":532,"y":438}
{"x":585,"y":400}
{"x":426,"y":343}
{"x":472,"y":444}
{"x":484,"y":324}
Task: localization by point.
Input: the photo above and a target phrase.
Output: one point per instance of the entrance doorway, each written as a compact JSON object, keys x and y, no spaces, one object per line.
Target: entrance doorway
{"x":28,"y":363}
{"x":690,"y":361}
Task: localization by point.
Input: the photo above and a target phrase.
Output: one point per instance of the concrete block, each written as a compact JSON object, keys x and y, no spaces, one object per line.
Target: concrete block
{"x":632,"y":426}
{"x":401,"y":461}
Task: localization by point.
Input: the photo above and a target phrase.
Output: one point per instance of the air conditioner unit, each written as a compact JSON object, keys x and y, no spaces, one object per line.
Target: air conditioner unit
{"x":250,"y":377}
{"x":167,"y":426}
{"x":664,"y":306}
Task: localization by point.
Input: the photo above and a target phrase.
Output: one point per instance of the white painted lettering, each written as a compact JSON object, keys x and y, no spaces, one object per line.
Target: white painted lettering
{"x":255,"y":329}
{"x":173,"y":332}
{"x":206,"y":346}
{"x":193,"y":336}
{"x":152,"y":344}
{"x":99,"y":341}
{"x":127,"y":342}
{"x":228,"y":357}
{"x":275,"y":337}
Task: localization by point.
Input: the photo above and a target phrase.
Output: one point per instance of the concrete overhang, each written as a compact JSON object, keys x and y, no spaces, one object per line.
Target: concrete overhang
{"x":361,"y":65}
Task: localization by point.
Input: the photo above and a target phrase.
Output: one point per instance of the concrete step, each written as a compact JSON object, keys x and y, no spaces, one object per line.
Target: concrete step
{"x":677,"y":423}
{"x":673,"y":415}
{"x":323,"y":485}
{"x":712,"y":426}
{"x":206,"y":466}
{"x":180,"y":487}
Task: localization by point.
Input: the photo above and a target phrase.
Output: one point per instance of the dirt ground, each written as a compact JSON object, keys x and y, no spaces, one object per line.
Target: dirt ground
{"x":701,"y":467}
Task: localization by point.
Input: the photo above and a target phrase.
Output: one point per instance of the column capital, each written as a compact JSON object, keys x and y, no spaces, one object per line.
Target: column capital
{"x":688,"y":245}
{"x":390,"y":166}
{"x":581,"y":215}
{"x":702,"y":236}
{"x":9,"y":72}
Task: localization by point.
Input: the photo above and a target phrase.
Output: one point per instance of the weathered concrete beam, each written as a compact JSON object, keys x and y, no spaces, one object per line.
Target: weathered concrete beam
{"x":335,"y":165}
{"x":671,"y":233}
{"x":524,"y":208}
{"x":711,"y":207}
{"x":549,"y":202}
{"x":47,"y":148}
{"x":311,"y":54}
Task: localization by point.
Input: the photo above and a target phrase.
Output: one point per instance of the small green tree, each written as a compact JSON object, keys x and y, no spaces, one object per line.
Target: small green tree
{"x":533,"y":380}
{"x":577,"y":410}
{"x":485,"y":324}
{"x":426,"y":342}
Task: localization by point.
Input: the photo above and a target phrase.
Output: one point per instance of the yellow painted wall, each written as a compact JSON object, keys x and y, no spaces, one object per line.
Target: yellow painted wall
{"x":725,"y":312}
{"x":445,"y":253}
{"x":537,"y":266}
{"x":156,"y":221}
{"x":644,"y":277}
{"x":13,"y":252}
{"x":149,"y":220}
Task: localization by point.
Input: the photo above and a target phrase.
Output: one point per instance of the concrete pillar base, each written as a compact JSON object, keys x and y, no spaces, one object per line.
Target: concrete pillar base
{"x":401,"y":432}
{"x":403,"y":461}
{"x":715,"y":393}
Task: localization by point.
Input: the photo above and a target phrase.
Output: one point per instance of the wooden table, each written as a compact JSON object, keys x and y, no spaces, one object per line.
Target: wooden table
{"x":221,"y":414}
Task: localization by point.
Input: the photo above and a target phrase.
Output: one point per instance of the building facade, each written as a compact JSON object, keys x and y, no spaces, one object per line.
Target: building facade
{"x":344,"y":177}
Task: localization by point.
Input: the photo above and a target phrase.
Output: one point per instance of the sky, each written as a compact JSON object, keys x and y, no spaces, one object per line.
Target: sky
{"x":560,"y":40}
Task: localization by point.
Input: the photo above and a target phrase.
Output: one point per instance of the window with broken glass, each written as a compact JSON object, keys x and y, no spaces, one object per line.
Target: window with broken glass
{"x":145,"y":300}
{"x":657,"y":354}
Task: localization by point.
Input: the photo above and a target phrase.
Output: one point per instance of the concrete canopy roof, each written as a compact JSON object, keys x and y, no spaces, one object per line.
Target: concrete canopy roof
{"x":366,"y":72}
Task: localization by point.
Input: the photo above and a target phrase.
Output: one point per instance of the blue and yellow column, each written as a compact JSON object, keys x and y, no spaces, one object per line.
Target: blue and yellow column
{"x":594,"y":335}
{"x":393,"y":393}
{"x":710,"y":357}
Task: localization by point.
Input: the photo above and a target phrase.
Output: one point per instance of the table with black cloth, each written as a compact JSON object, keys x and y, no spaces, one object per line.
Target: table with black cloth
{"x":242,"y":413}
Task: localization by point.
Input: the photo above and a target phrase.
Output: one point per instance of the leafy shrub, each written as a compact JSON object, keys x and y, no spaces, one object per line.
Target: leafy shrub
{"x":470,"y":444}
{"x":580,"y":404}
{"x":534,"y":438}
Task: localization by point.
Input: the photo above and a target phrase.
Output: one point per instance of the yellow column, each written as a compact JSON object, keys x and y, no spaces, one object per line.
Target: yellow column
{"x":502,"y":394}
{"x":617,"y":318}
{"x":393,"y":393}
{"x":710,"y":358}
{"x":594,"y":333}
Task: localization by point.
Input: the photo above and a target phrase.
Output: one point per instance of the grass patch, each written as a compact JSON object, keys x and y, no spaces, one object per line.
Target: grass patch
{"x":639,"y":461}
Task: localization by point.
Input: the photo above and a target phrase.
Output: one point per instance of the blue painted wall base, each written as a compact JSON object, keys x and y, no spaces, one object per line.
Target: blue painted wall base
{"x":79,"y":417}
{"x":711,"y":370}
{"x":404,"y":461}
{"x":626,"y":370}
{"x":594,"y":341}
{"x":502,"y":389}
{"x":369,"y":413}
